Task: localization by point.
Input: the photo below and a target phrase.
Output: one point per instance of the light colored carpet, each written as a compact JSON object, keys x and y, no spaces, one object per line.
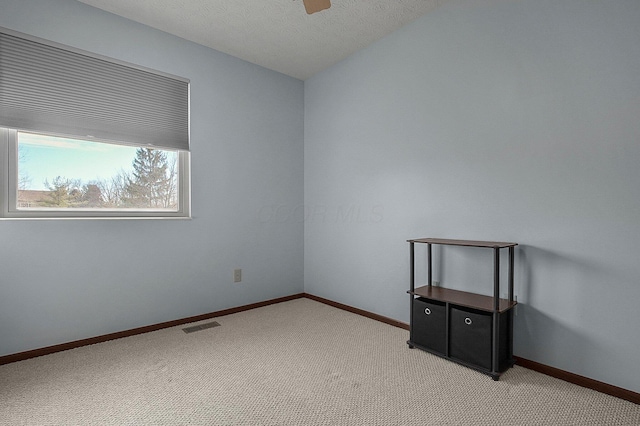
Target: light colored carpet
{"x":294,"y":363}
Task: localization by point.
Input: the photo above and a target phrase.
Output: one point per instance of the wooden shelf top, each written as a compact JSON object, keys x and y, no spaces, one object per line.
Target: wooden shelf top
{"x":467,"y":243}
{"x":462,"y":298}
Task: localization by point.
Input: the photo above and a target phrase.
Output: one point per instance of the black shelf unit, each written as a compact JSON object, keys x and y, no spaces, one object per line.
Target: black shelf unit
{"x":468,"y":328}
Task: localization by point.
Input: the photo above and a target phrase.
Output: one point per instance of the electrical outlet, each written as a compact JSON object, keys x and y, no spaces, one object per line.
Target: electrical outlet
{"x":435,"y":283}
{"x":237,"y":275}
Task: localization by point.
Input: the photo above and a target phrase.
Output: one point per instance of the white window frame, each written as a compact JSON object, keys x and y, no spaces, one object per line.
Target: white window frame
{"x":9,"y":190}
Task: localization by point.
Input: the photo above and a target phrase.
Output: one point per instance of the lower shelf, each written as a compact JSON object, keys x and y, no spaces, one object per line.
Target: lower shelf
{"x":494,"y":375}
{"x":463,"y":334}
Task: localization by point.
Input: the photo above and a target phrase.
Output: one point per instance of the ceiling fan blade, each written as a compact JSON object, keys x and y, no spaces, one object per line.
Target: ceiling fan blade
{"x":313,"y":6}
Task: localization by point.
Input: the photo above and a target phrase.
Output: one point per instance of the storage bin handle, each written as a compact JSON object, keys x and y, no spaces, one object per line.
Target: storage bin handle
{"x":467,"y":321}
{"x":427,"y":311}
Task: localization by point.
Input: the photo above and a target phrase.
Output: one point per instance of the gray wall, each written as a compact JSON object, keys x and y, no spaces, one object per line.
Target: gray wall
{"x":497,"y":120}
{"x":66,"y":280}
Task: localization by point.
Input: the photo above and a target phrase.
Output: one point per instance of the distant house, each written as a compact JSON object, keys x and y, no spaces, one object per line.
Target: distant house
{"x":31,"y":198}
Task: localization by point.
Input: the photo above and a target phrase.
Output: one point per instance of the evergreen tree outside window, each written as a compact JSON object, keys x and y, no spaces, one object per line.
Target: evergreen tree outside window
{"x":152,"y":183}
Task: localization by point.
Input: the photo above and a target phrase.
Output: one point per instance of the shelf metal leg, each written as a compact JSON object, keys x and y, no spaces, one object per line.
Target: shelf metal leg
{"x":510,"y":325}
{"x":429,"y":264}
{"x":496,"y":279}
{"x":511,"y":261}
{"x":412,"y":268}
{"x":496,"y":307}
{"x":412,"y":272}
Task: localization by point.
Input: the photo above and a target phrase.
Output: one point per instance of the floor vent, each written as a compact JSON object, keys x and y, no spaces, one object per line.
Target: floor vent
{"x":201,"y":327}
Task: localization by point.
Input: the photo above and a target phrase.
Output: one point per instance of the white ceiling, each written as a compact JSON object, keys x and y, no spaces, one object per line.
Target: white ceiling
{"x":276,"y":34}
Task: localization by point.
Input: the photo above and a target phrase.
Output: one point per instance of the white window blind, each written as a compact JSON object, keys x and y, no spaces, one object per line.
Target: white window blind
{"x":50,"y":88}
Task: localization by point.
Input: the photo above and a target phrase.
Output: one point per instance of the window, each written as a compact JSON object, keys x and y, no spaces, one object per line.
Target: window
{"x":82,"y":135}
{"x":51,"y":176}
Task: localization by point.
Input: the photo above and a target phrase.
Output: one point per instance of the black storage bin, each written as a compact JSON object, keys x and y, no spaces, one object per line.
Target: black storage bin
{"x":428,"y":328}
{"x":472,"y":336}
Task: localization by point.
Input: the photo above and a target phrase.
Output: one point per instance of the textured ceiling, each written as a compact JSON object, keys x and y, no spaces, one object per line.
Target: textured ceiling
{"x":276,"y":34}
